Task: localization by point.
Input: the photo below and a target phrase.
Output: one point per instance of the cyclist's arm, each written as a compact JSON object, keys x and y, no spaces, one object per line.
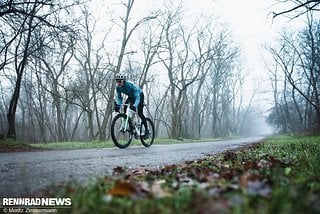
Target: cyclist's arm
{"x":118,"y":96}
{"x":137,"y":97}
{"x":135,"y":91}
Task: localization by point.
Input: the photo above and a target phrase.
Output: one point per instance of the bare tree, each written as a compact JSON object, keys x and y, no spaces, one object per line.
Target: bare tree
{"x":298,"y":7}
{"x":220,"y":84}
{"x":20,"y":20}
{"x":150,"y":47}
{"x":298,"y":60}
{"x":20,"y":64}
{"x":204,"y":54}
{"x":127,"y":32}
{"x":179,"y":63}
{"x":92,"y":74}
{"x":55,"y":72}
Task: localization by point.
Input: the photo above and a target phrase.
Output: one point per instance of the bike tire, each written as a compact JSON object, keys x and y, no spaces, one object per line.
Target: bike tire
{"x":147,"y":142}
{"x":121,"y":138}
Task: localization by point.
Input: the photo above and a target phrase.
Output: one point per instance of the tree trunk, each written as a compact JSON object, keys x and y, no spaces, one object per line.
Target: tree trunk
{"x":11,"y":116}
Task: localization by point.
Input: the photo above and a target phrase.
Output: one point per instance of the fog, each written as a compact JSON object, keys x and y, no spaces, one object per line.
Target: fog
{"x":203,"y":66}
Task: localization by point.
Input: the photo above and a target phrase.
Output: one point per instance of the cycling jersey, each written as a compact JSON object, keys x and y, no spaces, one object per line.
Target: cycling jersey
{"x":131,"y":90}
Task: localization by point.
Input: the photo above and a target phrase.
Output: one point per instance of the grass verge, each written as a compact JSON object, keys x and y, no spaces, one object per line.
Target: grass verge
{"x":109,"y":143}
{"x":12,"y":145}
{"x":280,"y":175}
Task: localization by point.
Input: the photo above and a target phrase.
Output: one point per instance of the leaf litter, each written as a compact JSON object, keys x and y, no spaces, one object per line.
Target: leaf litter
{"x":266,"y":177}
{"x":216,"y":175}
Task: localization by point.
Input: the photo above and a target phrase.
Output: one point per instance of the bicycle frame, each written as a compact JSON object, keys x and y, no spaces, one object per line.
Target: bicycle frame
{"x":125,"y":121}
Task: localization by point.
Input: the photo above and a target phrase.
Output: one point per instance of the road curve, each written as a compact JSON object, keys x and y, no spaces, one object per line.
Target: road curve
{"x":25,"y":172}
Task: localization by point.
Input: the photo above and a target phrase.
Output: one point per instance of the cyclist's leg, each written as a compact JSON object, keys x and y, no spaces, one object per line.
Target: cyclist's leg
{"x":140,"y":111}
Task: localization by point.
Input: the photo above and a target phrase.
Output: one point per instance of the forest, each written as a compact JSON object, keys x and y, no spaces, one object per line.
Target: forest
{"x":58,"y":60}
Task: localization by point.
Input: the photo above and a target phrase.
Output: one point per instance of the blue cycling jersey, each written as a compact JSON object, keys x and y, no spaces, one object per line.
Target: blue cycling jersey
{"x":131,"y":90}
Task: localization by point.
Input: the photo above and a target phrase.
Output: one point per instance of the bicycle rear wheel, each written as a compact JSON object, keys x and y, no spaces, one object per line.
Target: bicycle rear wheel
{"x":121,"y":133}
{"x":147,"y":140}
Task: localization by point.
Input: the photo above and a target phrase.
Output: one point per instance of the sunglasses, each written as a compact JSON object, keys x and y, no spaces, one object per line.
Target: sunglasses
{"x":119,"y":81}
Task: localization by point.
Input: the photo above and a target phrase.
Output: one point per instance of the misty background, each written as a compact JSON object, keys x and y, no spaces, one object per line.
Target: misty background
{"x":201,"y":78}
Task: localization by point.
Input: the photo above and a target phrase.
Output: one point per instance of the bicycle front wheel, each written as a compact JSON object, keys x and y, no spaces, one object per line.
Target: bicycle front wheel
{"x":121,"y":131}
{"x":147,"y":134}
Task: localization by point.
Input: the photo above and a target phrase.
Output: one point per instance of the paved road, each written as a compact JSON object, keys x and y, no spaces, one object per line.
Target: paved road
{"x":23,"y":173}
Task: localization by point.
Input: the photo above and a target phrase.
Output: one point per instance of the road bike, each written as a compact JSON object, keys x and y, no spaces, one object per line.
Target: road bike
{"x":126,"y":125}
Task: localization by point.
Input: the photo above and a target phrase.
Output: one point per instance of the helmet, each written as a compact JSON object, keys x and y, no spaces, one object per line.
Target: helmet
{"x":121,"y":76}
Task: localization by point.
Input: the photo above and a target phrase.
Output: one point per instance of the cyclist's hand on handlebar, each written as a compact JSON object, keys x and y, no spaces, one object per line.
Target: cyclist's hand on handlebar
{"x":133,"y":108}
{"x":116,"y":108}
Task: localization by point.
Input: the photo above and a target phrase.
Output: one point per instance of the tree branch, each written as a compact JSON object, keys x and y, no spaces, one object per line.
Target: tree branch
{"x":310,"y":5}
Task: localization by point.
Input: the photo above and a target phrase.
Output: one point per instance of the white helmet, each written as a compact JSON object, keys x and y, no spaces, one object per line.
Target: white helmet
{"x":121,"y":76}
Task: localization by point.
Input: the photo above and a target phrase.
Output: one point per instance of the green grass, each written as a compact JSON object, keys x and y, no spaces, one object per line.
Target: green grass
{"x":109,"y":143}
{"x":280,"y":175}
{"x":74,"y":145}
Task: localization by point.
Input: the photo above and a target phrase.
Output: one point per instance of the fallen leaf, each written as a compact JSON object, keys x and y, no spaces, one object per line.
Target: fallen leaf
{"x":250,"y":165}
{"x":124,"y":188}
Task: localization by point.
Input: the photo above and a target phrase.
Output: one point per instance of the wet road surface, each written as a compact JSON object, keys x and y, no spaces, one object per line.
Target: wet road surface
{"x":26,"y":172}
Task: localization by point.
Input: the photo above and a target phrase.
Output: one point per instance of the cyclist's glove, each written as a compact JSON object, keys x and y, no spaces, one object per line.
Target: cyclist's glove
{"x":116,"y":108}
{"x":133,"y":108}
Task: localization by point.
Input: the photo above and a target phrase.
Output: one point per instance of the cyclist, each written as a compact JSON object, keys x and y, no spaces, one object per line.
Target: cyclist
{"x":135,"y":98}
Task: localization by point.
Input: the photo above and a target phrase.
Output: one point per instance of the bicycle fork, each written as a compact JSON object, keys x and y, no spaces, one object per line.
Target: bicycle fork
{"x":124,"y":124}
